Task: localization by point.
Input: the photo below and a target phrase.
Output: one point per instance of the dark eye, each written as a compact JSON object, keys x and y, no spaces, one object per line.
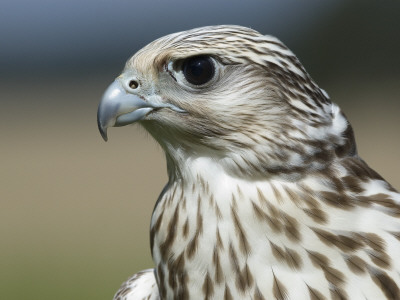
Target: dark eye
{"x":198,"y":70}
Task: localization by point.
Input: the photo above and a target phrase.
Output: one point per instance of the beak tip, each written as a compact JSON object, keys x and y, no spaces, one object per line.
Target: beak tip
{"x":103,"y":130}
{"x":104,"y":136}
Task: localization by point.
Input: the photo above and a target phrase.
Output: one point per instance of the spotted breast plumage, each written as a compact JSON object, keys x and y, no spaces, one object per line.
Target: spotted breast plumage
{"x":267,"y":197}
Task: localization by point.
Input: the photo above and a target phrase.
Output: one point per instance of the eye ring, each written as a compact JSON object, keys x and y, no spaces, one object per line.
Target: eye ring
{"x":198,"y":70}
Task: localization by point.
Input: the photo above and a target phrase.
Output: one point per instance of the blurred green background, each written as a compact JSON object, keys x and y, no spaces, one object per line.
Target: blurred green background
{"x":75,"y":211}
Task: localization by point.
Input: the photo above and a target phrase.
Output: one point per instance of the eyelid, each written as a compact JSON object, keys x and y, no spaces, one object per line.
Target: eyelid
{"x":169,"y":69}
{"x":174,"y":69}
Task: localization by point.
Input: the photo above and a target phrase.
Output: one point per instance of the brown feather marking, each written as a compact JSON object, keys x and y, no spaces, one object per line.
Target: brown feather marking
{"x":240,"y":279}
{"x":258,"y":212}
{"x":208,"y":287}
{"x":344,"y":243}
{"x":348,"y":243}
{"x":220,"y":245}
{"x":257,"y":294}
{"x":374,"y":241}
{"x":227,"y":293}
{"x":392,"y":207}
{"x":234,"y":202}
{"x":172,"y":195}
{"x":241,"y":282}
{"x":192,"y":246}
{"x":240,"y":193}
{"x":318,"y":259}
{"x":349,"y":148}
{"x":172,"y":229}
{"x":207,"y":188}
{"x":355,"y":264}
{"x":243,"y":243}
{"x":314,"y":294}
{"x":278,"y":289}
{"x":175,"y":270}
{"x":233,"y":259}
{"x":308,"y":196}
{"x":337,"y":293}
{"x":337,"y":200}
{"x":277,"y":252}
{"x":353,"y":184}
{"x":334,"y":276}
{"x":317,"y":215}
{"x":183,"y":203}
{"x":335,"y":184}
{"x":380,"y":259}
{"x":211,"y":200}
{"x":272,"y":209}
{"x":155,"y":229}
{"x":247,"y":276}
{"x":161,"y":280}
{"x":396,"y":234}
{"x":293,"y":259}
{"x":273,"y":223}
{"x":261,"y":197}
{"x":358,"y":168}
{"x":218,"y":212}
{"x":202,"y":182}
{"x":182,"y":292}
{"x":276,"y":192}
{"x":218,"y":270}
{"x":292,"y":195}
{"x":389,"y":288}
{"x":185,"y":228}
{"x":291,"y":228}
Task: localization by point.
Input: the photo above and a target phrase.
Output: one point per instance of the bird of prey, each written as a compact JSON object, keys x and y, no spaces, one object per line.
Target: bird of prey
{"x":267,"y":197}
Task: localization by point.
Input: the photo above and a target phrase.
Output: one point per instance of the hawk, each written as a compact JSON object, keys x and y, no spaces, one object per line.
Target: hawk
{"x":267,"y":197}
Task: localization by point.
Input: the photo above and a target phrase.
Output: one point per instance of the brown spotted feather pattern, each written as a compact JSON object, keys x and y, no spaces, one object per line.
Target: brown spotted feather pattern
{"x":267,"y":197}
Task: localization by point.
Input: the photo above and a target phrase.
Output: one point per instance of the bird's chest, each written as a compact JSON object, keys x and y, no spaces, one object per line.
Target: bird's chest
{"x":223,"y":240}
{"x":233,"y":239}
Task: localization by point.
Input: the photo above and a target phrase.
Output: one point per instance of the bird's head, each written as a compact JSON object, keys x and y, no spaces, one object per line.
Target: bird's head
{"x":231,"y":94}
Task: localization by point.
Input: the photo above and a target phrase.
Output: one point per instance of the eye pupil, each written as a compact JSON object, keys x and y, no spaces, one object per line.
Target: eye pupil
{"x":198,"y":70}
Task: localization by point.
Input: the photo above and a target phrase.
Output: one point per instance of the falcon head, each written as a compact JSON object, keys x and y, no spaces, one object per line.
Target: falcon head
{"x":230,"y":94}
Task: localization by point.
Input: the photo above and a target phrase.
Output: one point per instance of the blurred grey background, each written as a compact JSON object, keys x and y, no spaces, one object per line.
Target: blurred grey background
{"x":75,"y":211}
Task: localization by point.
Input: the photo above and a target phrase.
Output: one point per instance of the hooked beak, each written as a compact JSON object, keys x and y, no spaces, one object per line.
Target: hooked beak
{"x":120,"y":108}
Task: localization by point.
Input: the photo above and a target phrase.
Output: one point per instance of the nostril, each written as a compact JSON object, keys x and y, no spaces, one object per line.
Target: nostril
{"x":133,"y":84}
